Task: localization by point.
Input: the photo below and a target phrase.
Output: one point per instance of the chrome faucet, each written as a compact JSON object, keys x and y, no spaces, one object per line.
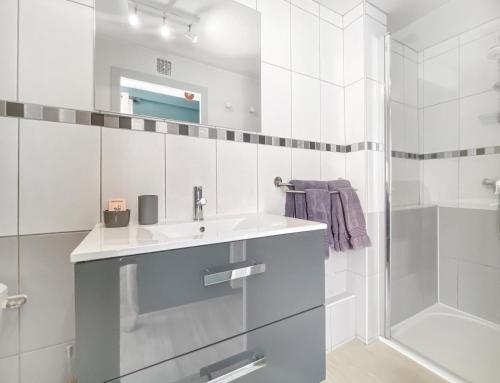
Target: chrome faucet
{"x":199,"y":202}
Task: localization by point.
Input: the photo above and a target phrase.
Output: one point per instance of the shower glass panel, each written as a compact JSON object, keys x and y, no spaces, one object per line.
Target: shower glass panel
{"x":444,"y":156}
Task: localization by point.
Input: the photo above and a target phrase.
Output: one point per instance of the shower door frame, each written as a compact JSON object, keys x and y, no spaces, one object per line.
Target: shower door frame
{"x":388,"y":184}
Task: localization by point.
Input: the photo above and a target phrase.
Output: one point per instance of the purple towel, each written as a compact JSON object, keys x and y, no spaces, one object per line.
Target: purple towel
{"x":354,"y":218}
{"x":314,"y":205}
{"x":319,"y":210}
{"x":295,"y":205}
{"x":340,"y":234}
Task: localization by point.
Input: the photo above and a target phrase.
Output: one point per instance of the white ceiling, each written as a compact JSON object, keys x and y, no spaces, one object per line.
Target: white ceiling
{"x":400,"y":12}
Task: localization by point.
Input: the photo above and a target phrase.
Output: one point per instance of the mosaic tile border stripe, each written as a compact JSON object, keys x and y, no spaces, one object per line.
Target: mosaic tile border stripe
{"x":119,"y":121}
{"x":488,"y":150}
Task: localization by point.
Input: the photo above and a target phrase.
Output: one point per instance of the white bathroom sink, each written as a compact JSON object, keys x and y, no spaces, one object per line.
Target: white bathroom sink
{"x":104,"y":242}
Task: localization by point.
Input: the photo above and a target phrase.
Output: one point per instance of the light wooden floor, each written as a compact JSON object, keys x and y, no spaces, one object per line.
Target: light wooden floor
{"x":356,"y":362}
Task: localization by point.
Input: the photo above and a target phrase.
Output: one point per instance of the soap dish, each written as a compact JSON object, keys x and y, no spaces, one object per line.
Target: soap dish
{"x":116,"y":218}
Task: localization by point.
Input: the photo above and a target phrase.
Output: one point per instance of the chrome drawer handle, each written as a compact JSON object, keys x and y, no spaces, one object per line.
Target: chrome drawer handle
{"x":256,"y":363}
{"x":214,"y":277}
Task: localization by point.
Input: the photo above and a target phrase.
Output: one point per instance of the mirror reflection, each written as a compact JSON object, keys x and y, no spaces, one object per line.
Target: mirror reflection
{"x":190,"y":61}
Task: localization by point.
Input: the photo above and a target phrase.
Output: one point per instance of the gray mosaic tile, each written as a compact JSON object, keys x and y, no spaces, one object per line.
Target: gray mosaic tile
{"x":111,"y":121}
{"x":150,"y":125}
{"x":83,"y":118}
{"x":14,"y":109}
{"x":33,"y":112}
{"x":67,"y":116}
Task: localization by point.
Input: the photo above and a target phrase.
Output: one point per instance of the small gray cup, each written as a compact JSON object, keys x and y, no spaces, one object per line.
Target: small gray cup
{"x":148,"y":209}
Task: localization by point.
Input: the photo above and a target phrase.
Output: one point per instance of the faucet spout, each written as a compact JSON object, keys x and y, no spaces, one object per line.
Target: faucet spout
{"x":199,"y":202}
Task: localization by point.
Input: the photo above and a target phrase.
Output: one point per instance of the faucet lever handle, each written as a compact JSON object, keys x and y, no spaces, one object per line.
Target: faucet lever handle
{"x":202,"y":201}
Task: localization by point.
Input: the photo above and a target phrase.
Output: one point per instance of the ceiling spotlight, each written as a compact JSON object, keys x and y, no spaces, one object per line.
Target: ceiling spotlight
{"x":165,"y":30}
{"x":133,"y":19}
{"x":191,"y":36}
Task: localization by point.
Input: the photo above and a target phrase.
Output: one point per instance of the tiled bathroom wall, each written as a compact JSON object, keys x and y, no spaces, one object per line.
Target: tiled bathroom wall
{"x":444,"y":149}
{"x":56,"y":177}
{"x":461,"y":113}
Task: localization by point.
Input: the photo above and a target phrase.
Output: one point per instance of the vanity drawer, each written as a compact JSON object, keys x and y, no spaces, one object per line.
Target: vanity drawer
{"x":141,"y":310}
{"x":289,"y":351}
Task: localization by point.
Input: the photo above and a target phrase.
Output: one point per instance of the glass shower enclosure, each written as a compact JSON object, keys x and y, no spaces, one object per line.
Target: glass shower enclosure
{"x":443,"y":172}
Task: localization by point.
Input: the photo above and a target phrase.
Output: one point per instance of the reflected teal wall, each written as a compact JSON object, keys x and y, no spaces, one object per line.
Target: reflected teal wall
{"x":163,"y":106}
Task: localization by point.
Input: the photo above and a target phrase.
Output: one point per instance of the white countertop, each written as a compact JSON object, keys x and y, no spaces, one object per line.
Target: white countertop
{"x":102,"y":242}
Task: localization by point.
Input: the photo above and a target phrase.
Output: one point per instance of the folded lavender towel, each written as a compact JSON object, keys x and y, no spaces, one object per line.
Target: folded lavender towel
{"x":313,"y":205}
{"x":295,"y":205}
{"x":319,"y":210}
{"x":354,"y":218}
{"x":340,"y":234}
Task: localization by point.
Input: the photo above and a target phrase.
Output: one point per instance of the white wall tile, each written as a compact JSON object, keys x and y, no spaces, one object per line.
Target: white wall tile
{"x":9,"y":329}
{"x":306,"y":120}
{"x":307,"y":5}
{"x":397,"y":78}
{"x":332,"y":165}
{"x":479,"y":281}
{"x":47,"y":365}
{"x":330,"y":16}
{"x":372,"y":307}
{"x":47,"y":277}
{"x":9,"y":369}
{"x":405,"y":182}
{"x":306,"y":164}
{"x":441,"y":123}
{"x":376,"y":13}
{"x":331,"y":53}
{"x":236,"y":178}
{"x":473,"y":170}
{"x":441,"y":48}
{"x":398,"y":131}
{"x":477,"y":72}
{"x":190,"y":162}
{"x":448,"y":279}
{"x":332,"y":114}
{"x":356,"y":173}
{"x":133,"y":164}
{"x":343,"y":321}
{"x":335,"y":283}
{"x":354,"y":14}
{"x":397,"y":47}
{"x":375,"y":127}
{"x":355,"y":112}
{"x":275,"y":29}
{"x":8,"y":47}
{"x":441,"y":78}
{"x":59,"y":177}
{"x":357,"y":261}
{"x":412,"y":129}
{"x":354,"y":58}
{"x":305,"y":42}
{"x":411,"y":82}
{"x":56,"y":40}
{"x":440,"y":182}
{"x":375,"y":181}
{"x":8,"y":175}
{"x":374,"y":49}
{"x":276,"y":101}
{"x":248,"y":3}
{"x":481,"y":31}
{"x":479,"y":121}
{"x":356,"y":285}
{"x":274,"y":162}
{"x":336,"y":262}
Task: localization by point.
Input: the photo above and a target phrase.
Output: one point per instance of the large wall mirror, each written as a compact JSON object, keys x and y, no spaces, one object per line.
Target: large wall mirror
{"x":196,"y":61}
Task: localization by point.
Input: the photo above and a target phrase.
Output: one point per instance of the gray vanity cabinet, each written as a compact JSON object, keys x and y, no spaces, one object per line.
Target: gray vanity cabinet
{"x":188,"y":315}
